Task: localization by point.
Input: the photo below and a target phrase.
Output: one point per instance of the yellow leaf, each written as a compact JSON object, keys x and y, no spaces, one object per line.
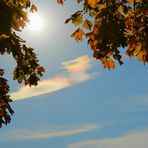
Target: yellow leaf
{"x":78,"y":34}
{"x":87,"y":24}
{"x":78,"y":20}
{"x":138,"y":48}
{"x":92,"y":3}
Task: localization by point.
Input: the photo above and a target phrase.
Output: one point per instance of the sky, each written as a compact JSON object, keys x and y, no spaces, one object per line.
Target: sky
{"x":77,"y":103}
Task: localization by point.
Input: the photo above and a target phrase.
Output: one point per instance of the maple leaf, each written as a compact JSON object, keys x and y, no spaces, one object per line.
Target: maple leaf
{"x":78,"y":34}
{"x":92,"y":3}
{"x":140,"y":56}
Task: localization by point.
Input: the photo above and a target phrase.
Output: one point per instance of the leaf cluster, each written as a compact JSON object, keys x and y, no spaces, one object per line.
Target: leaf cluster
{"x":13,"y":17}
{"x":111,"y":24}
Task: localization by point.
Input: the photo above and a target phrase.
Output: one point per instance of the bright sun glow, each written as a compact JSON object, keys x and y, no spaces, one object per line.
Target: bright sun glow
{"x":37,"y":23}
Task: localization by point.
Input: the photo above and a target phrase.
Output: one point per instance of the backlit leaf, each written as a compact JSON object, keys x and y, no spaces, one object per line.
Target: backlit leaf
{"x":78,"y":35}
{"x":109,"y":64}
{"x":140,"y":56}
{"x":78,"y":20}
{"x":87,"y":24}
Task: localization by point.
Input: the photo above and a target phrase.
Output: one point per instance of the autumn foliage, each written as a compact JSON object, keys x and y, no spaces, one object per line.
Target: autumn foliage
{"x":111,"y":27}
{"x":111,"y":24}
{"x":13,"y":17}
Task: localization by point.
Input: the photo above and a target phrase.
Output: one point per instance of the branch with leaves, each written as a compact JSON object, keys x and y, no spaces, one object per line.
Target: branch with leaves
{"x":13,"y":17}
{"x":111,"y":24}
{"x":107,"y":24}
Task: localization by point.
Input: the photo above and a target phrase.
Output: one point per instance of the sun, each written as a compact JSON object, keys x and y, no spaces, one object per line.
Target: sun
{"x":36,"y":23}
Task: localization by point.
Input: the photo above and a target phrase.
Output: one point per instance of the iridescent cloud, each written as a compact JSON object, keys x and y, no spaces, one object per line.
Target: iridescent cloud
{"x":76,"y":72}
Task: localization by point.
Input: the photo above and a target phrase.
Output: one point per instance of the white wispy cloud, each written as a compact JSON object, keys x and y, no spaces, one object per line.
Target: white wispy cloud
{"x":76,"y":72}
{"x":46,"y":86}
{"x":132,"y":140}
{"x":43,"y":134}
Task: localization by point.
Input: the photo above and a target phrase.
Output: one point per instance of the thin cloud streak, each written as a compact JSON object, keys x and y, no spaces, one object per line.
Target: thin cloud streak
{"x":76,"y":72}
{"x":44,"y":87}
{"x":36,"y":135}
{"x":132,"y":140}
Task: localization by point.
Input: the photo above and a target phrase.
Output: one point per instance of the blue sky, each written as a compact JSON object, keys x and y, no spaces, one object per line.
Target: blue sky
{"x":77,"y":103}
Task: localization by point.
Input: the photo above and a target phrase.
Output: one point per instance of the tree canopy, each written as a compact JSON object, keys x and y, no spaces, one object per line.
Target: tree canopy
{"x":111,"y":24}
{"x":108,"y":25}
{"x":13,"y":17}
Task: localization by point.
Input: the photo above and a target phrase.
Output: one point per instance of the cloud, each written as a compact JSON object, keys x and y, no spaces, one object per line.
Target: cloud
{"x":132,"y":140}
{"x":77,"y":69}
{"x":76,"y":72}
{"x":30,"y":135}
{"x":44,"y":87}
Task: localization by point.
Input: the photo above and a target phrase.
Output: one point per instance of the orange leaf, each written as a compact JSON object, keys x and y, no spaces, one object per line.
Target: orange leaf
{"x":140,"y":56}
{"x":78,"y":34}
{"x":90,"y":35}
{"x":109,"y":64}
